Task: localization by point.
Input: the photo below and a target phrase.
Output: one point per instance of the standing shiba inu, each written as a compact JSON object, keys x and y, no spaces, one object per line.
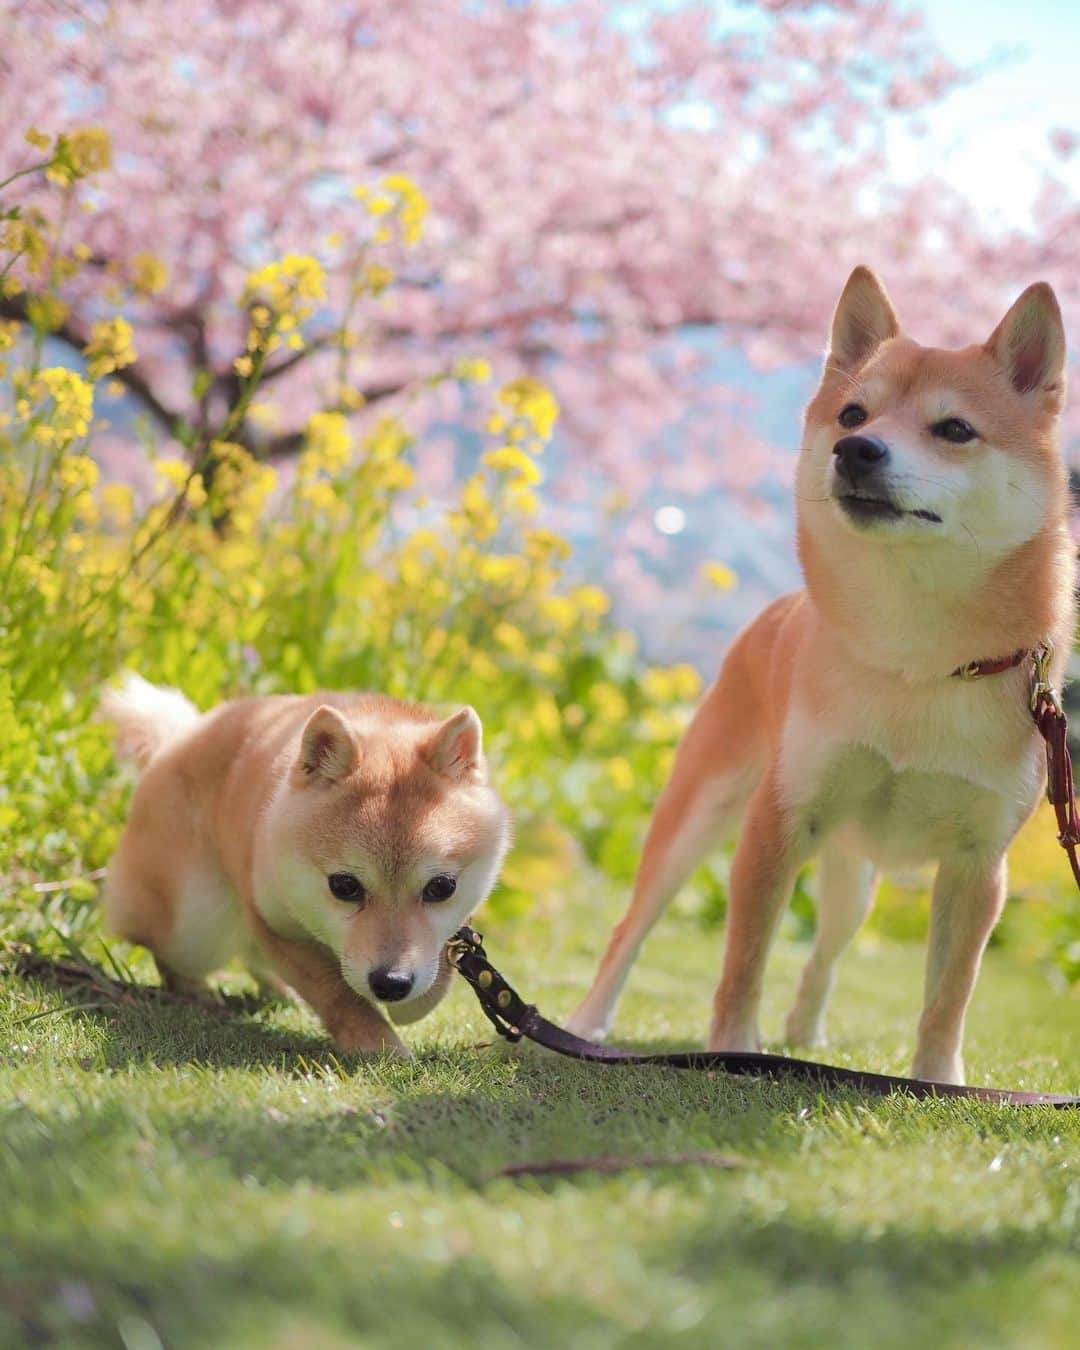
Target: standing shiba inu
{"x":932,"y":531}
{"x":333,"y":842}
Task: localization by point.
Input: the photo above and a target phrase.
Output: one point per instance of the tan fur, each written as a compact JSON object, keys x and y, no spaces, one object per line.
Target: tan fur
{"x":835,"y":724}
{"x":240,"y":817}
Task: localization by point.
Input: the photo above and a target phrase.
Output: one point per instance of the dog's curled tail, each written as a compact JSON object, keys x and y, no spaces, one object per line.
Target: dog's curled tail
{"x":146,"y":716}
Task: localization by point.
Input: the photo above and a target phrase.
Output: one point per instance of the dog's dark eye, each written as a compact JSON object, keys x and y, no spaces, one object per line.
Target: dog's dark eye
{"x":344,"y":886}
{"x":954,"y":429}
{"x":440,"y":888}
{"x":854,"y":415}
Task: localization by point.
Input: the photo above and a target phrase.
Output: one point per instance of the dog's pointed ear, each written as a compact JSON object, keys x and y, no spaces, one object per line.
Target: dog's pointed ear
{"x":1029,"y":343}
{"x":455,"y":749}
{"x":329,"y":748}
{"x":863,"y":320}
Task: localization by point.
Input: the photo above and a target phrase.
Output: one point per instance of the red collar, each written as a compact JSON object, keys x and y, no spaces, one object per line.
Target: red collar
{"x":975,"y":670}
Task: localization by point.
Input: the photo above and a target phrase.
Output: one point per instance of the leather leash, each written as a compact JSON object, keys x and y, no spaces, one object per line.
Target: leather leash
{"x":1053,"y":726}
{"x":513,"y":1018}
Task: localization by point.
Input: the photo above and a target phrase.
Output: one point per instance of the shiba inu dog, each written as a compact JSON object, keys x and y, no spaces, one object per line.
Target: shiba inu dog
{"x":333,"y":842}
{"x":932,"y":531}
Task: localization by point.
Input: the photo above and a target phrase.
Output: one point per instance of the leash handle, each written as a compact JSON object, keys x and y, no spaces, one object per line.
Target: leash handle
{"x":513,"y":1019}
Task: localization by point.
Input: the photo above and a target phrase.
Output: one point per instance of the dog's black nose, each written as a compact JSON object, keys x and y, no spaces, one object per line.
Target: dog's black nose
{"x":857,"y":456}
{"x":390,"y":985}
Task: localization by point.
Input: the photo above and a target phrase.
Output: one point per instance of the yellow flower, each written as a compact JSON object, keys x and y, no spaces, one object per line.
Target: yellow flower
{"x":477,"y":509}
{"x":109,"y":348}
{"x":9,"y":331}
{"x":510,"y":637}
{"x":401,"y":200}
{"x":521,"y":500}
{"x":76,"y":473}
{"x":483,"y":667}
{"x":394,"y":477}
{"x":73,"y":400}
{"x":546,"y":716}
{"x":196,"y":494}
{"x":149,"y":275}
{"x":86,"y":509}
{"x":328,"y":445}
{"x":560,"y":611}
{"x":320,"y":495}
{"x":387,"y":439}
{"x":243,"y":366}
{"x":79,"y":153}
{"x":687,"y":682}
{"x":502,"y":570}
{"x":532,"y":401}
{"x":265,"y":413}
{"x":720,"y":575}
{"x":609,"y":701}
{"x":287,"y":288}
{"x":37,"y":576}
{"x":46,"y":312}
{"x":473,"y":369}
{"x":38,"y":139}
{"x":377,"y":278}
{"x":540,"y":545}
{"x":240,"y":485}
{"x":412,"y":206}
{"x":509,"y":459}
{"x":119,"y":502}
{"x":591,"y":600}
{"x":174,"y":472}
{"x":434,"y":643}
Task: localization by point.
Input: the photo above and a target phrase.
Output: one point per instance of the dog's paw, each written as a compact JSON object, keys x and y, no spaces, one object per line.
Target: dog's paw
{"x":804,"y":1031}
{"x":739,"y":1040}
{"x":587,"y":1025}
{"x":935,"y":1068}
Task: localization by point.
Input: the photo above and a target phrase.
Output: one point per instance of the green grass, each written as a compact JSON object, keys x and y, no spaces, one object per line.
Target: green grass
{"x":175,"y":1177}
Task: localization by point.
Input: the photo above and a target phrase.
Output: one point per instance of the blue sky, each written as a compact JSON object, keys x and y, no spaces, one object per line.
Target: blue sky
{"x":990,"y":137}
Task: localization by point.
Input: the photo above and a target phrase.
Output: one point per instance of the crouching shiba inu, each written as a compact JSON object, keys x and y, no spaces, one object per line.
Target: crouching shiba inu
{"x":932,"y":532}
{"x":332,"y":842}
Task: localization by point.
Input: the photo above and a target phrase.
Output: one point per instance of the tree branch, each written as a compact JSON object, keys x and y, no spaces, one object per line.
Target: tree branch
{"x":289,"y":442}
{"x":132,"y":377}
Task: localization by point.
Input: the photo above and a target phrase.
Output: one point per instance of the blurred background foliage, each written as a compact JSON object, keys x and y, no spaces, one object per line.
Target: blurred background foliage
{"x":231,"y":578}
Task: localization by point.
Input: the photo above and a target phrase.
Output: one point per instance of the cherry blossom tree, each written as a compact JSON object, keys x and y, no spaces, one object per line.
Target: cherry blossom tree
{"x":606,"y":183}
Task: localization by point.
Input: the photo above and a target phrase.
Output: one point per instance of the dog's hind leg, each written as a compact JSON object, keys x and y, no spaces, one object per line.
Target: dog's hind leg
{"x":715,"y":768}
{"x":845,"y":885}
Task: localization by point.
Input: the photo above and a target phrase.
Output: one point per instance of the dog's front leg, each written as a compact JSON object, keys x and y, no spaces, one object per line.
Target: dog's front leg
{"x":315,"y":974}
{"x":967,"y":901}
{"x":769,"y":852}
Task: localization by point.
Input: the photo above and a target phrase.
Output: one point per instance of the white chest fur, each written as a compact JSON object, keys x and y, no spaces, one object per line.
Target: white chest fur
{"x":913,"y":773}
